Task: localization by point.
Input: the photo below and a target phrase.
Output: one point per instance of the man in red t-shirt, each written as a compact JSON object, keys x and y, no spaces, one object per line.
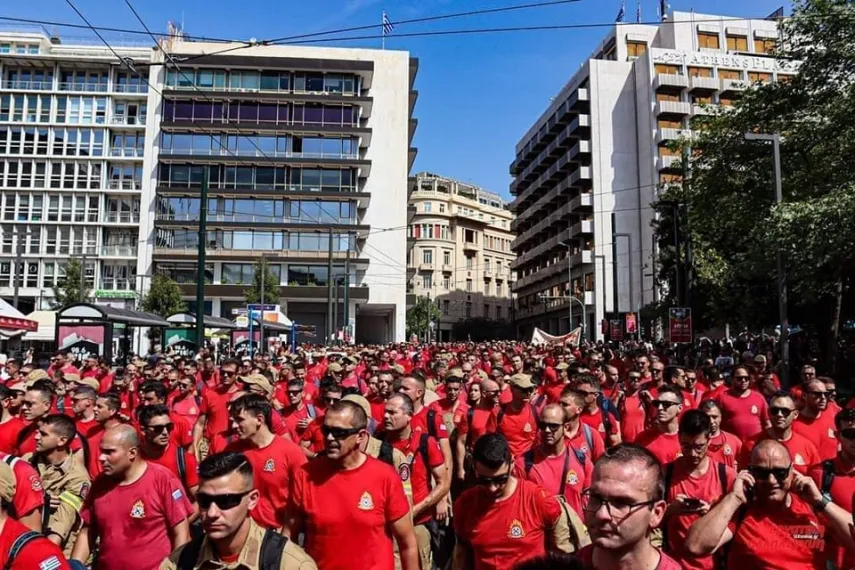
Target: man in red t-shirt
{"x":785,"y":524}
{"x":723,"y":447}
{"x":297,"y":413}
{"x":138,"y":510}
{"x":38,"y":553}
{"x":744,"y":411}
{"x":213,"y":423}
{"x":625,"y":504}
{"x":156,"y":447}
{"x":426,"y":465}
{"x":10,"y":425}
{"x":475,"y":424}
{"x":517,"y":420}
{"x":595,"y":414}
{"x":108,"y":413}
{"x":349,"y":505}
{"x":312,"y":441}
{"x":29,"y":498}
{"x":451,"y":408}
{"x":783,"y":411}
{"x":579,"y":435}
{"x":83,"y":406}
{"x":37,"y":404}
{"x":693,"y":483}
{"x":815,"y":421}
{"x":185,"y":400}
{"x":633,"y":410}
{"x":155,"y":394}
{"x":503,"y":520}
{"x":662,"y":438}
{"x":275,"y":459}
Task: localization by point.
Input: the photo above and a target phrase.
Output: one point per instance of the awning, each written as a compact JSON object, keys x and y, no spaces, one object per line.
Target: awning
{"x":273,"y":326}
{"x":11,"y":319}
{"x":208,"y":321}
{"x":88,"y":311}
{"x":47,"y":327}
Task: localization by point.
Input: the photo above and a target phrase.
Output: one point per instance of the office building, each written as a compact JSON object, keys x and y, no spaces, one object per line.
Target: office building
{"x":307,"y":151}
{"x":72,"y":138}
{"x":460,"y":250}
{"x":587,"y":171}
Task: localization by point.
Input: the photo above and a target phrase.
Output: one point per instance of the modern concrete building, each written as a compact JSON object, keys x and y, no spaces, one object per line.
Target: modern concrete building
{"x":460,"y":250}
{"x":72,"y":139}
{"x":587,"y":171}
{"x":308,"y":151}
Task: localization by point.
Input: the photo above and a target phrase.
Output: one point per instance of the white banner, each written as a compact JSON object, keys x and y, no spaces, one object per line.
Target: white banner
{"x":540,"y":337}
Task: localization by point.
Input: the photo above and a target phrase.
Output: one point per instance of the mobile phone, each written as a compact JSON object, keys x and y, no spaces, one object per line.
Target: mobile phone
{"x":749,"y":493}
{"x":692,"y":503}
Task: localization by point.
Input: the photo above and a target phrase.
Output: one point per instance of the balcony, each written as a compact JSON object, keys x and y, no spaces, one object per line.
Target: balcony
{"x":470,"y":246}
{"x":447,"y":268}
{"x":126,"y":152}
{"x":668,"y":163}
{"x":124,"y":120}
{"x":672,"y":108}
{"x":488,"y":273}
{"x":85,"y":87}
{"x":130,"y":89}
{"x":119,"y":251}
{"x":702,"y":110}
{"x":584,"y":200}
{"x":707,"y":84}
{"x":733,"y":85}
{"x":582,"y":227}
{"x":120,"y":218}
{"x":27,"y":85}
{"x":670,"y":83}
{"x":584,"y":256}
{"x":667,"y":135}
{"x":426,"y":267}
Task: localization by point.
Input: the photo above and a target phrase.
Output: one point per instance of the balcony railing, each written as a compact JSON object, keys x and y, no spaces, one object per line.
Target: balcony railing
{"x":127,"y":152}
{"x":120,"y":218}
{"x":130,"y":88}
{"x":214,"y":217}
{"x":130,"y":121}
{"x":119,"y":250}
{"x":260,"y":153}
{"x":28,"y":85}
{"x":87,"y":86}
{"x":124,"y":185}
{"x":117,"y":284}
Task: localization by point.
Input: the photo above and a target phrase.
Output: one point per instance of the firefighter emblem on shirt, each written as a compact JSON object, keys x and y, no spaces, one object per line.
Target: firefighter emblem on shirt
{"x":366,"y":503}
{"x":191,"y":411}
{"x":602,"y":428}
{"x":516,"y":530}
{"x":754,"y":410}
{"x":727,"y":449}
{"x":138,"y":510}
{"x":404,"y":472}
{"x":269,"y":466}
{"x":527,"y":427}
{"x":831,"y":433}
{"x":798,"y":459}
{"x":572,"y":478}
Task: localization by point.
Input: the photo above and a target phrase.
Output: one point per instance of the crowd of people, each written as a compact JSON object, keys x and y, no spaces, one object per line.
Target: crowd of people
{"x":484,"y":456}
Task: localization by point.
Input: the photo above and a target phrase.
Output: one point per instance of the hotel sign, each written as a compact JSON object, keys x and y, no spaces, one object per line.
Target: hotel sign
{"x":726,"y":60}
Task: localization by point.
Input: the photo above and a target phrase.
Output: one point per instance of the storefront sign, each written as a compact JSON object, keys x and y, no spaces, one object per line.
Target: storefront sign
{"x":680,"y":324}
{"x":726,"y":60}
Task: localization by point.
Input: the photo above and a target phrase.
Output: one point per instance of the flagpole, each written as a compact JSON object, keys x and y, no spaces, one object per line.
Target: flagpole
{"x":383,"y":30}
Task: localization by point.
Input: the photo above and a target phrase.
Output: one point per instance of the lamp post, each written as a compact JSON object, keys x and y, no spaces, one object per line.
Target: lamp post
{"x":544,"y":298}
{"x":628,"y":237}
{"x":569,"y":245}
{"x":775,"y":139}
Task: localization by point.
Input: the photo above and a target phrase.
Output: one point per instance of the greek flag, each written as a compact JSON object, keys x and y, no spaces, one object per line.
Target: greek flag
{"x":621,"y":13}
{"x":387,"y":25}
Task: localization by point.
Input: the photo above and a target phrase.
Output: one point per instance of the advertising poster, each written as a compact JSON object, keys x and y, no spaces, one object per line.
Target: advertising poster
{"x":82,"y":340}
{"x":616,"y":330}
{"x":240,"y":339}
{"x":631,"y":323}
{"x":180,"y":341}
{"x":680,"y":324}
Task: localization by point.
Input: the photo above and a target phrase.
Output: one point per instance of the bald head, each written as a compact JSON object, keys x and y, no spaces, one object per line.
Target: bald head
{"x":770,"y":453}
{"x":553,"y":413}
{"x":123,"y":436}
{"x":489,"y":385}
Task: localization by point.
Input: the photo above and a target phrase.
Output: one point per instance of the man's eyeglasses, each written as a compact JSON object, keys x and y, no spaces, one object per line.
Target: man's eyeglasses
{"x":224,"y":502}
{"x":498,"y":480}
{"x":656,"y":371}
{"x":819,"y":394}
{"x":742,"y":377}
{"x":332,"y":401}
{"x":546,"y":426}
{"x":762,"y":473}
{"x":664,"y":404}
{"x":776,"y":411}
{"x":295,"y":392}
{"x":339,"y":433}
{"x":848,"y":433}
{"x":616,"y":508}
{"x":160,"y":428}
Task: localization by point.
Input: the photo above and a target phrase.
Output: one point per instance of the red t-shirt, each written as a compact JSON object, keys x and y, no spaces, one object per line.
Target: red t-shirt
{"x":580,"y":442}
{"x":187,"y":408}
{"x":505,"y":533}
{"x":169,"y":459}
{"x":586,"y":557}
{"x":9,"y":433}
{"x":518,"y":427}
{"x":665,"y":446}
{"x":87,"y":427}
{"x":595,"y":420}
{"x":778,"y":537}
{"x":135,"y":519}
{"x":707,"y":487}
{"x":546,"y":471}
{"x":802,"y":452}
{"x":314,"y":435}
{"x":292,"y":416}
{"x":38,"y":554}
{"x":820,"y":432}
{"x":632,"y":418}
{"x":420,"y":474}
{"x":450,"y":415}
{"x":419,"y":423}
{"x":724,"y":448}
{"x":215,"y":406}
{"x":29,"y":493}
{"x":349,"y":513}
{"x":273,"y":469}
{"x":743,"y":417}
{"x":842,"y":490}
{"x":478,"y":426}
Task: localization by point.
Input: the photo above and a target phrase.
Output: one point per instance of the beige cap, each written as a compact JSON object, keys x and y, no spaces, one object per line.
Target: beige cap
{"x":760,"y":359}
{"x":521,"y":381}
{"x":562,"y":366}
{"x":19,"y":386}
{"x":359,"y":401}
{"x":334,"y":367}
{"x":91,"y":382}
{"x":37,"y":374}
{"x":257,"y":380}
{"x":399,"y":369}
{"x":72,"y":377}
{"x":455,"y":373}
{"x":7,"y":482}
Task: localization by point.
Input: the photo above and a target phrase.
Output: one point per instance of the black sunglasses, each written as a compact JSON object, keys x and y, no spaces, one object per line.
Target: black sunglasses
{"x":762,"y":473}
{"x":549,"y":426}
{"x":848,"y":433}
{"x":498,"y":480}
{"x":819,"y":394}
{"x":332,"y":400}
{"x":665,"y":404}
{"x":338,"y":433}
{"x":224,"y":502}
{"x":157,"y":429}
{"x":777,"y":411}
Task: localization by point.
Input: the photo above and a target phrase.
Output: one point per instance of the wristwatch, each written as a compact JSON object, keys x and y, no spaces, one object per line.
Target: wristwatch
{"x":822,"y":503}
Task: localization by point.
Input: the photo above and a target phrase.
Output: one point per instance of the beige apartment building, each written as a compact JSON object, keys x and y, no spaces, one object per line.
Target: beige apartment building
{"x":459,"y":253}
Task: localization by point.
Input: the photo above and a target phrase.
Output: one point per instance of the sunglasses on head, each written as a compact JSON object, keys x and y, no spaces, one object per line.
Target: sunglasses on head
{"x":339,"y":433}
{"x":778,"y":411}
{"x":762,"y":473}
{"x":224,"y":502}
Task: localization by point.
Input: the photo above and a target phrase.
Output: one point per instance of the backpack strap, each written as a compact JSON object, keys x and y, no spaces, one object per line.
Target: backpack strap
{"x":431,"y":423}
{"x":669,"y":475}
{"x":827,"y":475}
{"x":272,"y":547}
{"x":385,"y":454}
{"x":528,"y":460}
{"x":181,"y":462}
{"x":499,"y":417}
{"x":722,"y":478}
{"x":19,"y":545}
{"x":311,"y":412}
{"x":190,"y":553}
{"x":564,"y":473}
{"x":423,"y":452}
{"x":589,"y":439}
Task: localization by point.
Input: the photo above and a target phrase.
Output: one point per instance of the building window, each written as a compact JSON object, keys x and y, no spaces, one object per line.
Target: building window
{"x":427,"y":281}
{"x":468,"y":285}
{"x":486,"y":311}
{"x":446,"y":283}
{"x":708,"y":40}
{"x":729,"y":74}
{"x":635,"y":49}
{"x":499,"y":289}
{"x":468,"y":309}
{"x":469,"y":262}
{"x":427,"y":207}
{"x":726,"y":100}
{"x":700,"y":72}
{"x":737,"y":43}
{"x":486,"y":265}
{"x":442,"y":208}
{"x":498,"y":312}
{"x":667,"y":69}
{"x":666,"y":124}
{"x":446,"y":257}
{"x":427,"y":256}
{"x":764,"y":46}
{"x":756,"y":77}
{"x":446,"y":306}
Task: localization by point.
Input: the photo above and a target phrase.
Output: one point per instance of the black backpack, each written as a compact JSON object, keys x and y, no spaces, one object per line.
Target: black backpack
{"x":272,"y":547}
{"x":528,"y":460}
{"x":385,"y":454}
{"x":827,"y":475}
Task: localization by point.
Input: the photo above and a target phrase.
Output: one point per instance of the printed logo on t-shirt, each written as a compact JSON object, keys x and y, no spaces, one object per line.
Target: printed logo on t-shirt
{"x":191,"y":411}
{"x":727,"y":449}
{"x":754,"y":410}
{"x":35,"y":483}
{"x":366,"y":503}
{"x":51,"y":563}
{"x":516,"y":530}
{"x":799,"y":460}
{"x":572,"y":478}
{"x":602,"y":428}
{"x":527,"y":427}
{"x":404,"y":472}
{"x":124,"y":406}
{"x":84,"y":490}
{"x":831,"y":433}
{"x":138,"y":510}
{"x":269,"y":466}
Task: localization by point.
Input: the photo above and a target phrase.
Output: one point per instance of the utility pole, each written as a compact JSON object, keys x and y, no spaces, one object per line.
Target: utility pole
{"x":82,"y":291}
{"x":335,"y":312}
{"x":346,"y":310}
{"x":200,"y":265}
{"x":261,"y":344}
{"x":628,"y":237}
{"x":329,"y":289}
{"x":16,"y":275}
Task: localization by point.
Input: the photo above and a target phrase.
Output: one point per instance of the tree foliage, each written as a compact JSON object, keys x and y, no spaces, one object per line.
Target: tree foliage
{"x":727,"y":207}
{"x":163,"y":298}
{"x":67,"y":291}
{"x":272,"y":288}
{"x":420,"y":315}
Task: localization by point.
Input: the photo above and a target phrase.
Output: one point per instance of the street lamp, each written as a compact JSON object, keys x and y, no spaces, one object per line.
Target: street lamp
{"x":775,"y":139}
{"x":570,"y":290}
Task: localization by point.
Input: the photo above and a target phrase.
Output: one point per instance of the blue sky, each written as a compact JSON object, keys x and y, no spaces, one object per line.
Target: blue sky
{"x":478,"y":94}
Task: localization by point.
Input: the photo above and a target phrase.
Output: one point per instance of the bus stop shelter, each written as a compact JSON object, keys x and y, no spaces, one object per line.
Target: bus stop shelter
{"x":243,"y":334}
{"x":180,"y":335}
{"x":88,"y":330}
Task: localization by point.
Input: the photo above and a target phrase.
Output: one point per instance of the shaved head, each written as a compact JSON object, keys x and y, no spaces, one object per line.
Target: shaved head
{"x":123,"y":436}
{"x":489,"y":385}
{"x":770,"y":452}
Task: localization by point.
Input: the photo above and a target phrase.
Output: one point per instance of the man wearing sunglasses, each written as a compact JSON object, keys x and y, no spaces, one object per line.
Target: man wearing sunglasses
{"x":503,"y":520}
{"x":599,"y":413}
{"x":226,"y":497}
{"x":783,"y":412}
{"x":185,"y":401}
{"x":517,"y":420}
{"x":744,"y":411}
{"x":274,"y":459}
{"x":662,"y":438}
{"x":349,"y":505}
{"x":479,"y":420}
{"x":157,"y":447}
{"x":313,"y":440}
{"x":297,"y":413}
{"x":815,"y":421}
{"x":211,"y":432}
{"x":633,"y":411}
{"x":154,"y":393}
{"x":774,"y":517}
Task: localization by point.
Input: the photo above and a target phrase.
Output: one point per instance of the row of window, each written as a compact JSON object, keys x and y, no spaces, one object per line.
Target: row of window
{"x":260,"y":178}
{"x":721,"y":99}
{"x":248,"y":240}
{"x":241,"y":273}
{"x":48,"y":274}
{"x":279,"y":81}
{"x":430,"y":231}
{"x":580,"y":286}
{"x":78,"y":80}
{"x":261,"y":211}
{"x":735,"y":74}
{"x":259,"y":145}
{"x":31,"y":141}
{"x":68,"y":175}
{"x":19,"y":49}
{"x":27,"y":207}
{"x":255,"y":113}
{"x":64,"y":240}
{"x":427,"y":258}
{"x":70,"y":109}
{"x":448,"y":284}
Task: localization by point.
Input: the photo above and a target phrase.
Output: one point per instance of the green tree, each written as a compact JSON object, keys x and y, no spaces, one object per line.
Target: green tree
{"x":164,"y":297}
{"x":727,"y":210}
{"x":67,"y":290}
{"x":420,"y":315}
{"x":272,"y":288}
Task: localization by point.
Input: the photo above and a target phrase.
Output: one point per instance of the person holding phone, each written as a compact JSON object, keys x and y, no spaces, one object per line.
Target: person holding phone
{"x":774,"y":518}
